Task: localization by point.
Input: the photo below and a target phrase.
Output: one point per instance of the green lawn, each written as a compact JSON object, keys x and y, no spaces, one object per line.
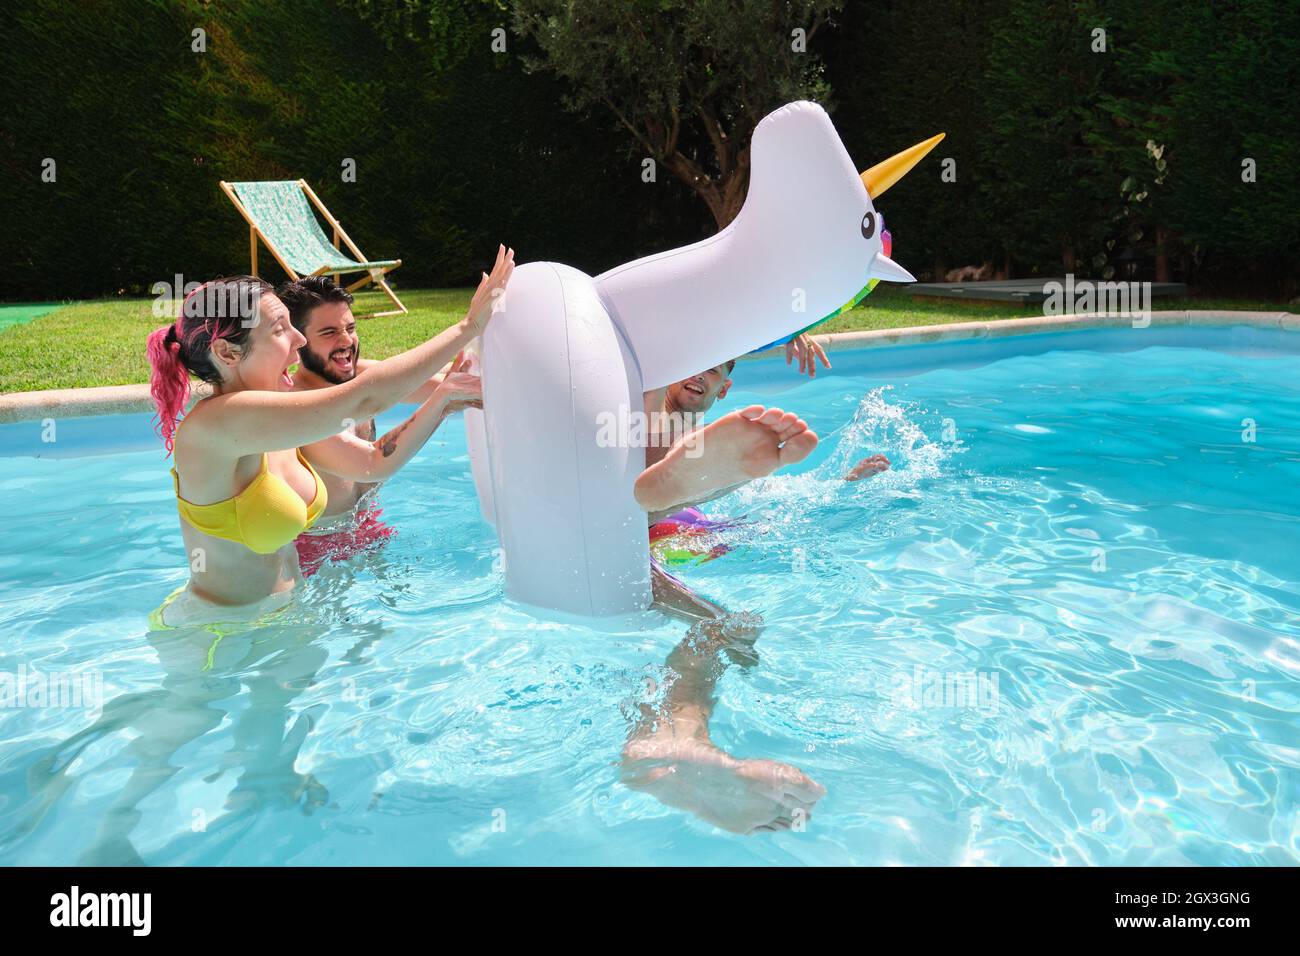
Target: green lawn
{"x":20,"y":312}
{"x":102,"y":342}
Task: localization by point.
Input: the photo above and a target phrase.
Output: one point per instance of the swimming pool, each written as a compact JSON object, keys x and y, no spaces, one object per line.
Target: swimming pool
{"x":1065,"y":628}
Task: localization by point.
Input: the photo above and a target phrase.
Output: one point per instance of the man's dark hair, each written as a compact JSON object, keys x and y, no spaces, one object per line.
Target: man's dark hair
{"x":730,"y":363}
{"x":303,"y":295}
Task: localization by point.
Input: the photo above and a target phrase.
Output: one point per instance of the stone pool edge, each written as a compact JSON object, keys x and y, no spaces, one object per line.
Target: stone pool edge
{"x":131,"y":399}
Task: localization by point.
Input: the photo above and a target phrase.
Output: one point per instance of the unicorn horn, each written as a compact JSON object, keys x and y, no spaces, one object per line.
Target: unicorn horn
{"x":884,"y":174}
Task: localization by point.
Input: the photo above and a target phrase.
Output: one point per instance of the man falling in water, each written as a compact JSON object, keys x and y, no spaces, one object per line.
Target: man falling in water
{"x":669,"y":753}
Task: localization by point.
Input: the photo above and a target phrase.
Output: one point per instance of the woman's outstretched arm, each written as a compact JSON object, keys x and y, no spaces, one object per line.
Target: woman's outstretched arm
{"x":252,"y":421}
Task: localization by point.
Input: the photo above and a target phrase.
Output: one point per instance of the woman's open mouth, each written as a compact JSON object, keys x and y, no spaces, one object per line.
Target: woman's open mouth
{"x":285,"y":378}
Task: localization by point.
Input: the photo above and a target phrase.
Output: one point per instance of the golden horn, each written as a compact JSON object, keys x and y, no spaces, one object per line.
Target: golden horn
{"x":884,"y":174}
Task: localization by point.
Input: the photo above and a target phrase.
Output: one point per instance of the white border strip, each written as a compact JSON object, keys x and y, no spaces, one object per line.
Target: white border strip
{"x":132,"y":399}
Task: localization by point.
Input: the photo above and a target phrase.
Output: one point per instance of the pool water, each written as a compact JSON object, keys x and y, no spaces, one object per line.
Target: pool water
{"x":1064,"y":628}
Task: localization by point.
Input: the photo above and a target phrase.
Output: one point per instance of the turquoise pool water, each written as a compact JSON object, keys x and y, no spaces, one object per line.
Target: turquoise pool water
{"x":1079,"y":528}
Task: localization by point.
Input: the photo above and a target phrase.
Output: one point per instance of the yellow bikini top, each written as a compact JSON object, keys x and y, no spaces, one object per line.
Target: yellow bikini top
{"x":264,"y":517}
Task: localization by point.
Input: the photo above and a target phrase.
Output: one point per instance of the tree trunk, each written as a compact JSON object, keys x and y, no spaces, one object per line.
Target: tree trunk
{"x":734,"y":191}
{"x":714,"y":192}
{"x":1162,"y":256}
{"x":724,"y":195}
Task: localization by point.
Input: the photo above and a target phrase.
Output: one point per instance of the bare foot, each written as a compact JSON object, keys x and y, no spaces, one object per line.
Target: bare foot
{"x":741,"y":796}
{"x":867,"y":467}
{"x":738,"y":447}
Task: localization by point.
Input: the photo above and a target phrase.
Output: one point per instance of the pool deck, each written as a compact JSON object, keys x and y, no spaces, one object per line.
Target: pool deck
{"x":1026,"y":291}
{"x":132,"y":399}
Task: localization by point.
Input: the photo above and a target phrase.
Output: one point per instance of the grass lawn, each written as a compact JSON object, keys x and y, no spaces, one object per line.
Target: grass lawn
{"x":102,"y":342}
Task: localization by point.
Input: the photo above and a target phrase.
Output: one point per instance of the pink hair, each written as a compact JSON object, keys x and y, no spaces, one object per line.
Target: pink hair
{"x":169,"y":381}
{"x":184,"y":348}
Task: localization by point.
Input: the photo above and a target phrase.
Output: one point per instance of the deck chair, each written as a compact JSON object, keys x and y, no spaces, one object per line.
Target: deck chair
{"x":278,"y":214}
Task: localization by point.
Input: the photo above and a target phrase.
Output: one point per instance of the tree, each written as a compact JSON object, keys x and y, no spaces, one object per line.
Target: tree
{"x":687,"y":79}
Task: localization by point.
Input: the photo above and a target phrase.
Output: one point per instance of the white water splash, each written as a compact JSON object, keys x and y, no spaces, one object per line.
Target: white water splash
{"x":900,"y":432}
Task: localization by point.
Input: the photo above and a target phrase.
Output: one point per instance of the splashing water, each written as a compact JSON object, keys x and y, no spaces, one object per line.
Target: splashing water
{"x":780,"y":507}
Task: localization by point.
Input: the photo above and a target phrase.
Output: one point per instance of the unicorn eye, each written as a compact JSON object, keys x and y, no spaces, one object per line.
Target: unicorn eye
{"x":868,"y":225}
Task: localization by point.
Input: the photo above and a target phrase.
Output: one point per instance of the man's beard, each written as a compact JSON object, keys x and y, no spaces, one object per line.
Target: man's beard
{"x":312,"y":362}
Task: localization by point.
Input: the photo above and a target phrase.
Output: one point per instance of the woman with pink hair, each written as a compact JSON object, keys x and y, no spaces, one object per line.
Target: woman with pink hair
{"x":243,"y":489}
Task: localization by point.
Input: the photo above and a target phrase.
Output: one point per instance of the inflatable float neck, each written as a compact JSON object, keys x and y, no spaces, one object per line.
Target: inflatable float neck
{"x":806,"y":243}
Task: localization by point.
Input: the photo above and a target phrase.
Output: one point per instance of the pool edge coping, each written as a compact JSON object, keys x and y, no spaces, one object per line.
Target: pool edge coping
{"x":132,"y":399}
{"x":1030,"y":325}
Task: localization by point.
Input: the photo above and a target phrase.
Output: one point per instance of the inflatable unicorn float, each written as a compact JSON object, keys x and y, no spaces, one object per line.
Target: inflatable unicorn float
{"x":567,"y":350}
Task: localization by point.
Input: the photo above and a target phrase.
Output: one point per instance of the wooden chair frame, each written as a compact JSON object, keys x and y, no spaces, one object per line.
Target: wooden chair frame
{"x":375,"y":275}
